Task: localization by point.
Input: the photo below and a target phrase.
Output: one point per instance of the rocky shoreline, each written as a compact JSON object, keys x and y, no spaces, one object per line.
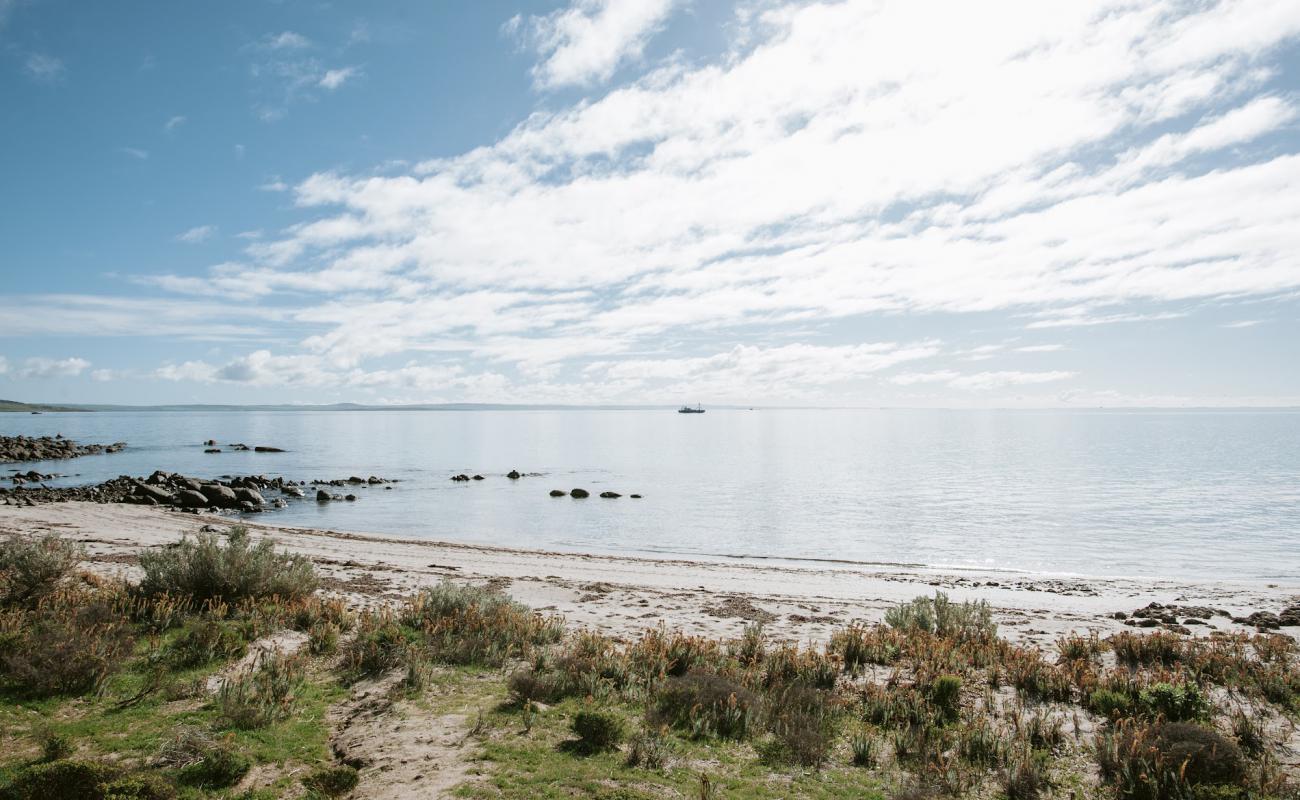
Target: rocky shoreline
{"x":240,"y":493}
{"x":49,"y":448}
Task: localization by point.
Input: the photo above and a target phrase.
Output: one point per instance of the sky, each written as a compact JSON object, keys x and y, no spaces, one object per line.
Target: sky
{"x":932,"y":204}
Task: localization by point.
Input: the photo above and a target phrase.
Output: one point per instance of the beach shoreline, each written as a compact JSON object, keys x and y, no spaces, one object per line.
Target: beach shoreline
{"x":621,"y":595}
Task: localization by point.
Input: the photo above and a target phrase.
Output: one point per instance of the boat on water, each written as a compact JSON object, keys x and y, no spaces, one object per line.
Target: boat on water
{"x":688,"y":410}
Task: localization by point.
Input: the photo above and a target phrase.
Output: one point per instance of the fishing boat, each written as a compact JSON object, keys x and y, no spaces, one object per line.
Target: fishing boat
{"x":688,"y":410}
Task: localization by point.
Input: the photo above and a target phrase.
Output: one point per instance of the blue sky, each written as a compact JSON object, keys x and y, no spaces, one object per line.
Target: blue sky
{"x":630,"y":201}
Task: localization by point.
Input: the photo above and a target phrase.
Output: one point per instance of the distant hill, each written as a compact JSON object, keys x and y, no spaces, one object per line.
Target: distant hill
{"x":14,"y":405}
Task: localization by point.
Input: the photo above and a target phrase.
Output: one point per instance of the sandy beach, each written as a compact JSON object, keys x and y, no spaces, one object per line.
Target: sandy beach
{"x":621,"y":595}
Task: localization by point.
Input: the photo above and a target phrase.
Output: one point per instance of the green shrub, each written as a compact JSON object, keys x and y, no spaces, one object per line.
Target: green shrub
{"x":33,"y":568}
{"x":1169,"y":761}
{"x":705,"y":704}
{"x":1111,"y":704}
{"x":323,"y":638}
{"x":865,"y":749}
{"x":205,"y":571}
{"x":379,"y":646}
{"x":472,"y":625}
{"x":1181,"y":702}
{"x":1026,"y":777}
{"x":598,"y":730}
{"x":217,"y":769}
{"x":334,"y":781}
{"x":55,"y":745}
{"x":263,"y":695}
{"x":60,"y":779}
{"x":945,"y":696}
{"x":802,"y":722}
{"x":942,"y":617}
{"x":141,"y":786}
{"x":204,"y":641}
{"x":648,"y":749}
{"x":68,"y":645}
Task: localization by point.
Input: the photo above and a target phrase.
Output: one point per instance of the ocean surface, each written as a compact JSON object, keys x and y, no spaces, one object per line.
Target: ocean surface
{"x":1195,"y":494}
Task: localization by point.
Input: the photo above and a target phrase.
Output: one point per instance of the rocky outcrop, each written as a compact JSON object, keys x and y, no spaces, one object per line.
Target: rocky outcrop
{"x":47,"y":448}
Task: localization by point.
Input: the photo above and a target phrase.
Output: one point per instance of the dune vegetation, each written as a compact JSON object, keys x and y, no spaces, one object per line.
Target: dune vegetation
{"x":225,"y":671}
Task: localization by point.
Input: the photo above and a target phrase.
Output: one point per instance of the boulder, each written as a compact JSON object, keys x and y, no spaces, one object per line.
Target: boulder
{"x":635,"y":496}
{"x":244,"y":495}
{"x":579,"y":493}
{"x":351,"y":498}
{"x":158,"y":477}
{"x":188,"y":498}
{"x":219,"y":495}
{"x":238,"y":446}
{"x":558,"y":493}
{"x":210,"y":443}
{"x":322,"y":496}
{"x":513,"y":474}
{"x":478,"y":477}
{"x":249,"y":508}
{"x":354,"y":479}
{"x":460,"y":477}
{"x":262,"y":449}
{"x":610,"y":495}
{"x":292,"y":491}
{"x":153,"y":492}
{"x":212,"y":450}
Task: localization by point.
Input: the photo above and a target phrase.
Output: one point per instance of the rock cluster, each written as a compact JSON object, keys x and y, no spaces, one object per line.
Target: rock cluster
{"x":238,"y":493}
{"x":463,"y":477}
{"x":44,"y":448}
{"x":1175,"y":617}
{"x":581,"y":493}
{"x":1267,"y":620}
{"x":30,"y":476}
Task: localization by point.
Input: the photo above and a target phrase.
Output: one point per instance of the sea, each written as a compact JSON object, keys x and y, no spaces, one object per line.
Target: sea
{"x":1106,"y":493}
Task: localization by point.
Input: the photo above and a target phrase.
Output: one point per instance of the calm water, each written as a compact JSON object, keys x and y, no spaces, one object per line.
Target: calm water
{"x":1191,"y":494}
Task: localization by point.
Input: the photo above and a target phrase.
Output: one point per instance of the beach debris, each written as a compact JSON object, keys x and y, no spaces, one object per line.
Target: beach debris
{"x":737,"y":606}
{"x":47,"y":448}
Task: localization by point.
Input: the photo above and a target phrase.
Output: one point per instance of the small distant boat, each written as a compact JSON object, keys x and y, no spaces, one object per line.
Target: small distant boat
{"x":688,"y":410}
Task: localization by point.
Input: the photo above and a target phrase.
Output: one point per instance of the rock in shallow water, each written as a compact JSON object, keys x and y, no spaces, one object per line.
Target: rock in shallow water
{"x":579,"y":493}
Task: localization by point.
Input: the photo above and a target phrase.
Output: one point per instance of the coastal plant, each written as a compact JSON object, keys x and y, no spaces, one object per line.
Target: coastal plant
{"x":1168,"y":760}
{"x":264,"y":694}
{"x":380,"y":644}
{"x":802,"y":722}
{"x":597,"y":730}
{"x":473,"y":625}
{"x":706,"y":704}
{"x":68,"y":778}
{"x":1180,"y":702}
{"x":865,"y":750}
{"x":68,"y":645}
{"x":206,"y":640}
{"x":648,"y":749}
{"x":201,"y":759}
{"x":945,"y":696}
{"x":940,"y":616}
{"x":331,"y":781}
{"x":1026,"y":776}
{"x":204,"y":570}
{"x":55,"y":745}
{"x":31,"y":569}
{"x":857,"y":645}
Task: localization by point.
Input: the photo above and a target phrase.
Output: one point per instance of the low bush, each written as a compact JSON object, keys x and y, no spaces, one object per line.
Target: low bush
{"x":1181,"y":702}
{"x":857,"y":645}
{"x":648,"y":749}
{"x":706,"y":704}
{"x":1169,"y":761}
{"x":945,"y":696}
{"x":204,"y":641}
{"x":380,"y":645}
{"x":60,"y":779}
{"x":202,"y":760}
{"x":1026,"y":777}
{"x":140,"y":786}
{"x":802,"y":722}
{"x":334,"y":781}
{"x":940,"y":616}
{"x":1111,"y":704}
{"x":68,"y":645}
{"x":55,"y":746}
{"x":472,"y":625}
{"x":262,"y":695}
{"x":204,"y":570}
{"x":598,"y":730}
{"x":33,"y":568}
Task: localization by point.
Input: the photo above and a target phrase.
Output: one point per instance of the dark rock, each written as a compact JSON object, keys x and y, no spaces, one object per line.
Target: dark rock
{"x":212,"y":450}
{"x":579,"y":493}
{"x":262,"y":449}
{"x":155,"y":493}
{"x":44,"y":448}
{"x":355,"y":479}
{"x":292,"y":491}
{"x":478,"y":477}
{"x":210,"y":443}
{"x":188,"y":498}
{"x":610,"y":495}
{"x":635,"y":496}
{"x":249,"y":507}
{"x":460,"y":477}
{"x":513,"y":474}
{"x":1263,"y":620}
{"x":322,"y":496}
{"x":1194,"y":621}
{"x":245,"y":495}
{"x":239,"y":446}
{"x":1119,"y":615}
{"x":558,"y":493}
{"x":350,"y":498}
{"x":221,"y":496}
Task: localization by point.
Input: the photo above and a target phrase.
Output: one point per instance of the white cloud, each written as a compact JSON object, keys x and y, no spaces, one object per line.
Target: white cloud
{"x":334,"y":78}
{"x":103,"y":375}
{"x":288,"y":40}
{"x":980,"y":381}
{"x":274,"y":185}
{"x":584,"y":43}
{"x":174,"y":123}
{"x":53,"y":368}
{"x":1040,"y":348}
{"x":1243,"y":323}
{"x":44,"y":68}
{"x":197,"y":234}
